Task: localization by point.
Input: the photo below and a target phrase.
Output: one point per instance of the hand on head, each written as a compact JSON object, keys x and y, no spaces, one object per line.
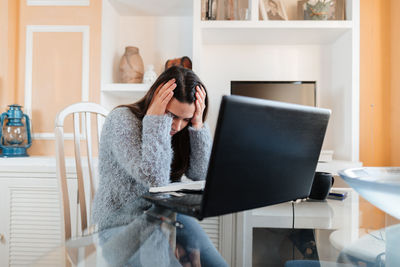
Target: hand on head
{"x":161,"y":98}
{"x":197,"y":120}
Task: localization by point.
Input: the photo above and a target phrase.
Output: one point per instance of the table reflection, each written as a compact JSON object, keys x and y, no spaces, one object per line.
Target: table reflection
{"x":143,"y":242}
{"x":137,"y":244}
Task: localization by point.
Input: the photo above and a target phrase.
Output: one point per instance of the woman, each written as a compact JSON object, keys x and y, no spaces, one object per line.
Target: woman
{"x":151,"y":143}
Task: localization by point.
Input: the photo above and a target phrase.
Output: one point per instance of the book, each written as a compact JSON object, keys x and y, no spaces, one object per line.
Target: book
{"x":325,"y":156}
{"x":179,"y":186}
{"x":263,"y":12}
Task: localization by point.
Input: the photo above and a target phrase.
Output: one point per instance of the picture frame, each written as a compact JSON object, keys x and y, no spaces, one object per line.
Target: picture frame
{"x":340,"y":10}
{"x":273,"y":10}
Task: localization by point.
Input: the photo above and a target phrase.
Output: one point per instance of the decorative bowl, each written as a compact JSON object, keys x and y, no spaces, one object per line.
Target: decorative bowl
{"x":378,"y":185}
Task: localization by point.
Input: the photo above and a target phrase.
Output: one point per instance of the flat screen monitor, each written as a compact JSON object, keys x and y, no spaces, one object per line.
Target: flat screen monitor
{"x":296,"y":92}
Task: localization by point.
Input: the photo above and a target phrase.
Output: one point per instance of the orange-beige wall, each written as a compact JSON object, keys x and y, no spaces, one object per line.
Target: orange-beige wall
{"x":395,"y":82}
{"x":56,"y":62}
{"x":375,"y":83}
{"x":8,"y":51}
{"x":379,"y":93}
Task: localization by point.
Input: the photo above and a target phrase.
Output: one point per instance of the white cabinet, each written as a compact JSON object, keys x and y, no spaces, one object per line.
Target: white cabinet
{"x":30,"y":220}
{"x":319,"y":215}
{"x":30,"y":223}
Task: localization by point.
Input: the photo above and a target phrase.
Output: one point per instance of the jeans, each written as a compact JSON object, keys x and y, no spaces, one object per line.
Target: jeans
{"x":192,"y":237}
{"x":136,"y":244}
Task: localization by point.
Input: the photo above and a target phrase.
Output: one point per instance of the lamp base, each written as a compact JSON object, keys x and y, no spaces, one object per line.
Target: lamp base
{"x":13,"y":152}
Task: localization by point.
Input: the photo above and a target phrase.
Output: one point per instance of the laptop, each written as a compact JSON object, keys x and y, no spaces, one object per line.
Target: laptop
{"x":264,"y":153}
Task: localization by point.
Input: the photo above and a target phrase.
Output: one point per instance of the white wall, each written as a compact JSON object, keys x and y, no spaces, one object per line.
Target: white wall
{"x":158,"y":39}
{"x":264,"y":63}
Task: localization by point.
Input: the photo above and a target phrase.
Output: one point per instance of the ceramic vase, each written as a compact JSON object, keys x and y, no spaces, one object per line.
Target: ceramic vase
{"x":150,"y":75}
{"x":131,"y":66}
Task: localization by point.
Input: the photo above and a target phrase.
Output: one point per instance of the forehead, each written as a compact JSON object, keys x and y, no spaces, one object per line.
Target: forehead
{"x":182,"y":110}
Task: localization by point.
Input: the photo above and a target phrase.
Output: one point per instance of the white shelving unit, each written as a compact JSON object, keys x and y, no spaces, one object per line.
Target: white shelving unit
{"x":113,"y":94}
{"x":125,"y":87}
{"x":326,"y":52}
{"x":160,"y":29}
{"x":323,"y":51}
{"x":273,"y":32}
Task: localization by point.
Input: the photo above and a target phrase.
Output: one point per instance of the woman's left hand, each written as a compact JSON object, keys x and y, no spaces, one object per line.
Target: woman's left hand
{"x":197,"y":120}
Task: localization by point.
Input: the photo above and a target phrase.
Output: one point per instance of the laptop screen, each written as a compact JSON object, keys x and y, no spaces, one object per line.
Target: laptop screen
{"x":264,"y":152}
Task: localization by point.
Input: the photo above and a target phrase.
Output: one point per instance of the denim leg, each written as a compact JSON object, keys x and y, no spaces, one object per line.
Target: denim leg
{"x":192,"y":236}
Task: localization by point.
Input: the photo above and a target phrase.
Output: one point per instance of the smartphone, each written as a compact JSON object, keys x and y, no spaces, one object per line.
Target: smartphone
{"x":337,"y":195}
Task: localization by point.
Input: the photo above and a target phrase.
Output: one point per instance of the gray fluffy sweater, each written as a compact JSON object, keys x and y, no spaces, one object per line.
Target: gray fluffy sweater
{"x":135,"y":155}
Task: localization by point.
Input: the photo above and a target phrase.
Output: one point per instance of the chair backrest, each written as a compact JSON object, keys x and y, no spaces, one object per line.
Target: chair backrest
{"x":82,"y":133}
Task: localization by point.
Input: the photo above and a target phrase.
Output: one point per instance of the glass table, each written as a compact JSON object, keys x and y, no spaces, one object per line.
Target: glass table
{"x":146,"y":241}
{"x":321,"y":233}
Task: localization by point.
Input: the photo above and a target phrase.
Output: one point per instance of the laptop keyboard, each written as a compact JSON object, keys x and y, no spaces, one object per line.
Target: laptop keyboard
{"x":188,"y":204}
{"x":186,"y":200}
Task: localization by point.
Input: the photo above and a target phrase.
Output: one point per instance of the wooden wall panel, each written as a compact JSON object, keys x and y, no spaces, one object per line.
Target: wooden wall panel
{"x":376,"y":92}
{"x":395,"y":82}
{"x":374,"y":84}
{"x":8,"y":52}
{"x":56,"y":76}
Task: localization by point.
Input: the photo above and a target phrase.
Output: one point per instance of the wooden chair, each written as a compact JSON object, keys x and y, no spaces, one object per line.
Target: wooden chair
{"x":82,"y":133}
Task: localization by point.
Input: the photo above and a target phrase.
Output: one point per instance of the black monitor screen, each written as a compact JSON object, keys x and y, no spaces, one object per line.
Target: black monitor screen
{"x":302,"y":92}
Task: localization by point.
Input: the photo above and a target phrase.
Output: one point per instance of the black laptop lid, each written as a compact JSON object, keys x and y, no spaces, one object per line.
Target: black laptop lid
{"x":264,"y":152}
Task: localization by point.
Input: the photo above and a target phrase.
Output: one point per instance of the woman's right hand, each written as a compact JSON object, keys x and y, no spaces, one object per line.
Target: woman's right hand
{"x":161,"y":98}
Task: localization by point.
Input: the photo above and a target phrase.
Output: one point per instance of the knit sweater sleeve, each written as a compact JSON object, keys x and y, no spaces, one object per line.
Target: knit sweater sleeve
{"x":144,"y":152}
{"x":200,"y":150}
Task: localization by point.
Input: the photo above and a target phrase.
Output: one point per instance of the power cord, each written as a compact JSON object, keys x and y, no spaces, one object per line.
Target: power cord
{"x":293,"y":214}
{"x":293,"y":228}
{"x":303,"y":240}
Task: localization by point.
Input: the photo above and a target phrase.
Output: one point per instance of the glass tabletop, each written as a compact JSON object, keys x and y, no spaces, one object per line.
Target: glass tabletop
{"x":323,"y":233}
{"x":146,"y":241}
{"x":154,"y":250}
{"x":291,"y":234}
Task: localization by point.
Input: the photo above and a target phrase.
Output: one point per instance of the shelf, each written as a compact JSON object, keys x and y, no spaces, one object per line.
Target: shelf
{"x":273,"y":32}
{"x":125,"y":89}
{"x":153,"y":7}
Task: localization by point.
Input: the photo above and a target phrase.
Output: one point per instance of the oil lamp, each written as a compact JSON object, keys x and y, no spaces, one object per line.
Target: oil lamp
{"x":15,"y":133}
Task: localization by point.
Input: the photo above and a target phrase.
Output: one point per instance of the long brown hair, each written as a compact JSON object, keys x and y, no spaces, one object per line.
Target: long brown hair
{"x":185,"y":92}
